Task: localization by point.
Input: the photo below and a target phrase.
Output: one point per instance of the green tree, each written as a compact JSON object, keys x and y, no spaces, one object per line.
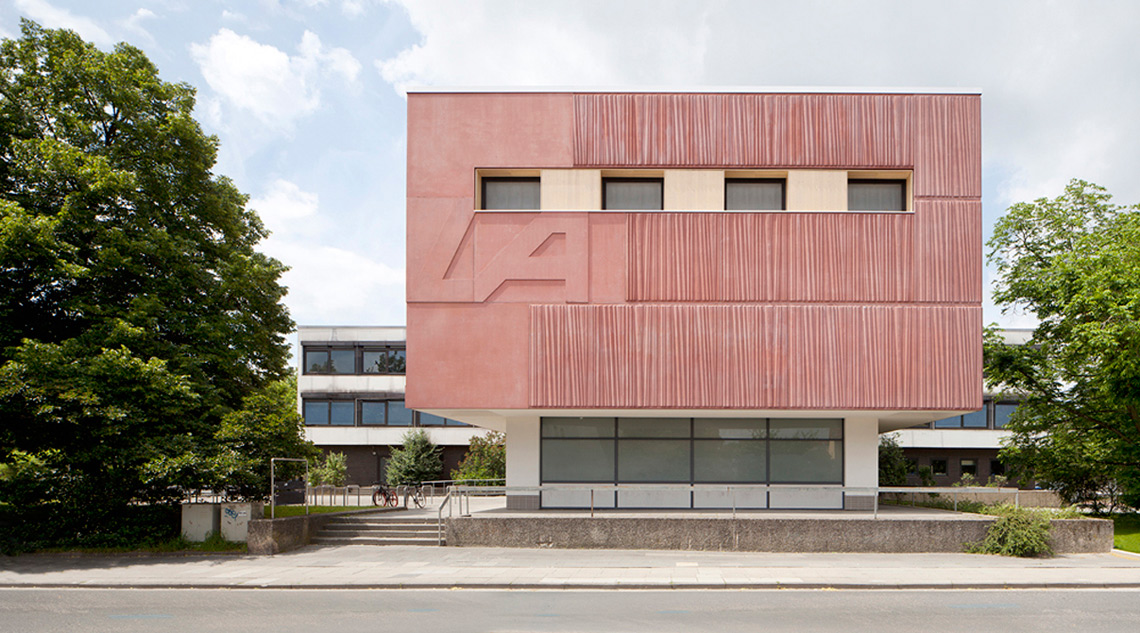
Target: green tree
{"x":417,"y":460}
{"x":893,"y":466}
{"x":486,"y":458}
{"x":332,"y":471}
{"x":136,"y":311}
{"x":1074,"y":263}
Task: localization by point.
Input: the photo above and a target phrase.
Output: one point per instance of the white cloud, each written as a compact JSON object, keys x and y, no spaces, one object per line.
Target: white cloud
{"x":537,"y":43}
{"x":332,"y":285}
{"x":353,"y":8}
{"x":233,"y":16}
{"x":282,"y":204}
{"x":47,"y":15}
{"x":134,"y":23}
{"x":259,"y":78}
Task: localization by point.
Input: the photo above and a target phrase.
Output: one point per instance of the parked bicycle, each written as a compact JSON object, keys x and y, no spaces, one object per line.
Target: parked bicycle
{"x":384,"y":496}
{"x":414,"y":495}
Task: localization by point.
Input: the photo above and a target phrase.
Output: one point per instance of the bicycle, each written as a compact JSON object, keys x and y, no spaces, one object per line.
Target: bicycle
{"x":415,"y":494}
{"x":384,"y":496}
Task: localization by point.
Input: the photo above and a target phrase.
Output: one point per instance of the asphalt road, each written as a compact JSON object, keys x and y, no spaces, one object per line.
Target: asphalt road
{"x":348,"y":611}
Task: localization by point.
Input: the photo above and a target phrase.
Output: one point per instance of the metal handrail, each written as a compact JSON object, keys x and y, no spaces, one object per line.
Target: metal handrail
{"x":439,"y":518}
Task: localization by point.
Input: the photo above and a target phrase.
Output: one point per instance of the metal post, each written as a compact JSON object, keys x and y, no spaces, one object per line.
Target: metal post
{"x":955,"y":501}
{"x":732,"y":491}
{"x":876,"y":515}
{"x":591,"y":503}
{"x":272,"y":491}
{"x":1017,"y":498}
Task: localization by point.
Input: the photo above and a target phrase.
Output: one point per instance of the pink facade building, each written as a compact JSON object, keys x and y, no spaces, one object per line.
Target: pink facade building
{"x":694,"y":291}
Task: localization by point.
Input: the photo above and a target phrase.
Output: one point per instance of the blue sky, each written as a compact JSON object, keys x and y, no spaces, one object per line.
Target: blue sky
{"x":306,"y":96}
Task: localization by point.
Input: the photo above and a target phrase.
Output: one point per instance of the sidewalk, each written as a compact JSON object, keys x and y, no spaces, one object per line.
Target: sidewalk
{"x":398,"y":567}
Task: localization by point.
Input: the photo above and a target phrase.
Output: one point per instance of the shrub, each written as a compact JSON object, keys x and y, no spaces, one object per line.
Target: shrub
{"x":418,"y":460}
{"x":331,"y":471}
{"x":1015,"y":532}
{"x":485,"y":459}
{"x":892,"y":464}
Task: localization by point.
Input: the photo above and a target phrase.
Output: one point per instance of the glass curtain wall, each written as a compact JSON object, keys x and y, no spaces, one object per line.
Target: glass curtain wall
{"x":691,"y":450}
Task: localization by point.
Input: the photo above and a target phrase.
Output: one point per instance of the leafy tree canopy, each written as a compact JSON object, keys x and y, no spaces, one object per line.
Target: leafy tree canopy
{"x":1074,"y":263}
{"x":136,"y":312}
{"x":893,"y":466}
{"x":417,"y":461}
{"x":486,"y":458}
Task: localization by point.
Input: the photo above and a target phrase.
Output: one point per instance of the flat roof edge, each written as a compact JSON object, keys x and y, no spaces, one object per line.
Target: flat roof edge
{"x":693,"y":90}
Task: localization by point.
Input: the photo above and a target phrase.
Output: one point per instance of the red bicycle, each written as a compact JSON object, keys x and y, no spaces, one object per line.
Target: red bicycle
{"x":384,"y":496}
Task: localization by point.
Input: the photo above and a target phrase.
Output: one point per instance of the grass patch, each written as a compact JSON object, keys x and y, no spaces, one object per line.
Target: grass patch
{"x":293,"y":511}
{"x":178,"y":544}
{"x":1126,"y":532}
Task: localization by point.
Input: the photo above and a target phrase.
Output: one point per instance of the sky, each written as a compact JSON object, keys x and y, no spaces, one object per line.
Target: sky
{"x":307,"y":97}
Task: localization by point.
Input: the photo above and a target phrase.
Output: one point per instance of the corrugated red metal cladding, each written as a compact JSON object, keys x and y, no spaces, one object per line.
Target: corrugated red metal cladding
{"x":755,"y":356}
{"x":939,"y":136}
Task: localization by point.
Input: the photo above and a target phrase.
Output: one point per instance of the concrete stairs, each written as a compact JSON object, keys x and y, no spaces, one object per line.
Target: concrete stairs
{"x":388,"y":528}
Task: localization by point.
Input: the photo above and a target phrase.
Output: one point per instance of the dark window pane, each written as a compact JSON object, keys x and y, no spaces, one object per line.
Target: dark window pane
{"x":511,"y":193}
{"x":451,"y":422}
{"x":949,"y":423}
{"x":578,"y":427}
{"x":372,"y":412}
{"x":316,"y":413}
{"x":342,"y":361}
{"x":653,"y":427}
{"x":316,"y":361}
{"x":808,"y":429}
{"x":427,"y":419}
{"x":397,"y":361}
{"x":876,"y":195}
{"x":969,"y":467}
{"x":975,"y":420}
{"x":342,"y":413}
{"x":729,"y":461}
{"x":577,"y":460}
{"x":996,"y":467}
{"x":753,"y":195}
{"x":1002,"y":413}
{"x":730,"y":429}
{"x":938,"y":466}
{"x":806,"y":461}
{"x":632,"y":194}
{"x":398,"y":415}
{"x":653,"y":460}
{"x":375,"y":362}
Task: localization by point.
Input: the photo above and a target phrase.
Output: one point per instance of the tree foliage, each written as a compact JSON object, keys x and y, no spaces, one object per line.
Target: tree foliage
{"x":417,"y":460}
{"x":1074,"y":263}
{"x":893,"y":466}
{"x":486,"y":458}
{"x":137,"y":314}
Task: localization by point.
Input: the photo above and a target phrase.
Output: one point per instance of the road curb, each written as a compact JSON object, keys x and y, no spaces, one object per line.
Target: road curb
{"x":570,"y":586}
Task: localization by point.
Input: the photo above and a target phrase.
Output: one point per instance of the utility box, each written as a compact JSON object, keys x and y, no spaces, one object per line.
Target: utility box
{"x":199,"y":520}
{"x":236,"y":517}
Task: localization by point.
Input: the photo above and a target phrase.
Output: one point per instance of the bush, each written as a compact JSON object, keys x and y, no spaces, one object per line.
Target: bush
{"x":1016,"y":532}
{"x":332,"y":471}
{"x":892,"y":464}
{"x":418,"y":460}
{"x":485,"y":459}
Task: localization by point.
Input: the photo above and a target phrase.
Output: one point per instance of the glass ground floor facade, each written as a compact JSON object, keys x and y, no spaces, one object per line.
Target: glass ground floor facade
{"x":717,"y":456}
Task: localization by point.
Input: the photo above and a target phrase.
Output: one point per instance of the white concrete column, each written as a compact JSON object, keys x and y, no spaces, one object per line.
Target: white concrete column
{"x":523,"y":436}
{"x":860,"y":459}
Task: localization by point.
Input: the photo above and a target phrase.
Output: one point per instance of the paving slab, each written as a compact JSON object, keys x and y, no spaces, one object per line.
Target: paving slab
{"x":393,"y":567}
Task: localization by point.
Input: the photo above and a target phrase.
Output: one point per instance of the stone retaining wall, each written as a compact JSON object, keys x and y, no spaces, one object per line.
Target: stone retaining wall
{"x":757,"y":535}
{"x":274,"y":536}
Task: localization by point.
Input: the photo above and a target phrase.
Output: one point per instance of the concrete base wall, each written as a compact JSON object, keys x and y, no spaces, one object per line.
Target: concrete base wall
{"x":756,"y":535}
{"x":274,"y":536}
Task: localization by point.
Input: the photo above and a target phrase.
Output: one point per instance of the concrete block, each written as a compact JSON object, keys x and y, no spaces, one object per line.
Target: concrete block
{"x":199,"y":520}
{"x":235,"y":518}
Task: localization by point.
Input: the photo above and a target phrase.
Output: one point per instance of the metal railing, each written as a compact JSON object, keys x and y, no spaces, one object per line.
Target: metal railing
{"x":734,"y":497}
